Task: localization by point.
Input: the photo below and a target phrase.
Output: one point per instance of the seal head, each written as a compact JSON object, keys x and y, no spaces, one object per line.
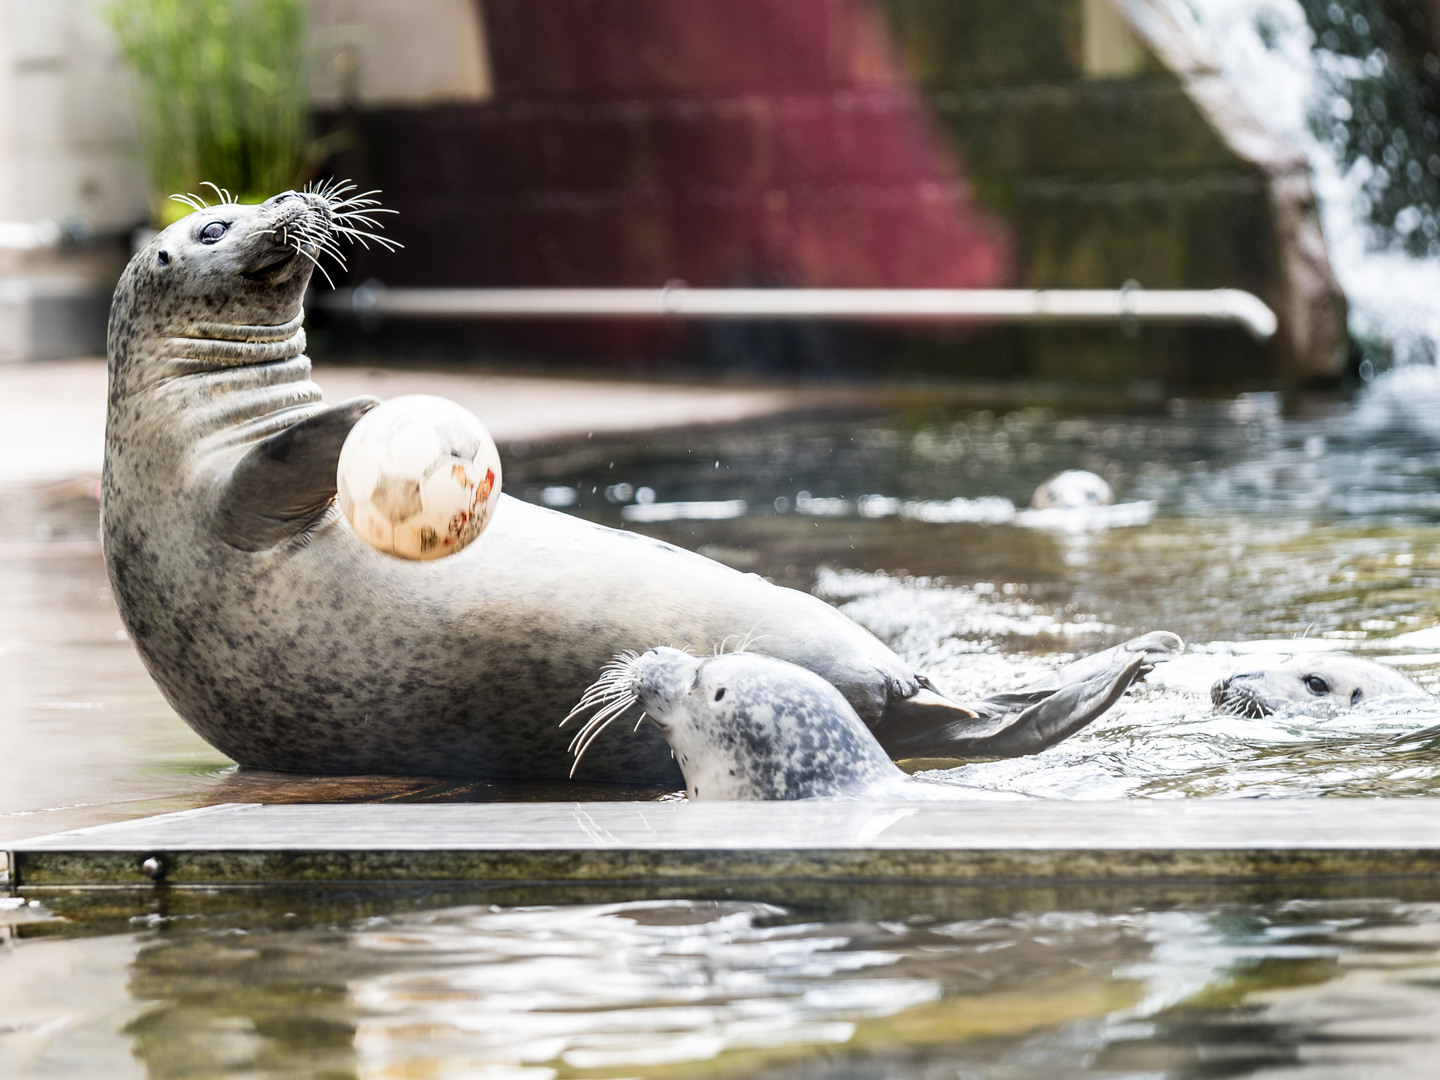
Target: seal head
{"x":745,"y":726}
{"x":1320,"y":685}
{"x":1071,"y":490}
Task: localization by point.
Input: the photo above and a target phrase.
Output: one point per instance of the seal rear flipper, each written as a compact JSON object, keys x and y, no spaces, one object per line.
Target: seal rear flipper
{"x":1050,"y":717}
{"x":284,"y":483}
{"x":1154,"y":648}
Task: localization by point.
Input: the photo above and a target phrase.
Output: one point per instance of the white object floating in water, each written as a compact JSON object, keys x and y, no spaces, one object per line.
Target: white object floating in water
{"x":418,"y":477}
{"x":1072,"y":489}
{"x":1088,"y":518}
{"x":685,"y":511}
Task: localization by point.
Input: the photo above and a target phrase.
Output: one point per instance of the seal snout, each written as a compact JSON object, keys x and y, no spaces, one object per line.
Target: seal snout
{"x":661,"y":678}
{"x":1233,"y":694}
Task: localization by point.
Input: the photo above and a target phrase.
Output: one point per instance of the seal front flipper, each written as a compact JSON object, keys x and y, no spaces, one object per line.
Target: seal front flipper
{"x":1048,"y":717}
{"x":284,"y":483}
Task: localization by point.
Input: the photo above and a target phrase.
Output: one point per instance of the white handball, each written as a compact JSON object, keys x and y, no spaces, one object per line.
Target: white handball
{"x":419,"y":477}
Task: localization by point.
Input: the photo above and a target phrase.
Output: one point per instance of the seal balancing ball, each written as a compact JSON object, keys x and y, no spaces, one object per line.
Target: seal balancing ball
{"x":418,"y":477}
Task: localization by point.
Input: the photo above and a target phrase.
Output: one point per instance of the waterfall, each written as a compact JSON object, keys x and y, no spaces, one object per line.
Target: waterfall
{"x":1342,"y":100}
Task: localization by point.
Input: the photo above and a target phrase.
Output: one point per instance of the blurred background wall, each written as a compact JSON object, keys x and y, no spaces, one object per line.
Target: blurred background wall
{"x":1066,"y":143}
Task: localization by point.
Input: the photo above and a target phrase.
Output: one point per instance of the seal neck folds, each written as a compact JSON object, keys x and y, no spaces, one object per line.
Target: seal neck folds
{"x":198,"y":347}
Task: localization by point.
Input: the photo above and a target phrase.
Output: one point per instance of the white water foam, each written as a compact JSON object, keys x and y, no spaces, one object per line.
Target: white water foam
{"x":1267,"y":51}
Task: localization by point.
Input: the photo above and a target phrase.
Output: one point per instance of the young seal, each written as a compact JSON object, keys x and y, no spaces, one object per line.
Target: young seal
{"x":1073,"y":489}
{"x":1322,"y":684}
{"x":289,"y":643}
{"x":749,"y":727}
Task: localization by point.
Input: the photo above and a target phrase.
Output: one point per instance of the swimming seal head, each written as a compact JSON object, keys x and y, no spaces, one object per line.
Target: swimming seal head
{"x":1322,"y":684}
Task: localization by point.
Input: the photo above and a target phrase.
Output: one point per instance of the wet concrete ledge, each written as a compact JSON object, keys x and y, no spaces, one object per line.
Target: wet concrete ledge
{"x":970,"y":842}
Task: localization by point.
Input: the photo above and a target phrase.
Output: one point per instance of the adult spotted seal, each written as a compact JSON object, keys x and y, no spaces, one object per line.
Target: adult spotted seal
{"x":1321,"y":684}
{"x":749,"y":727}
{"x":289,"y":643}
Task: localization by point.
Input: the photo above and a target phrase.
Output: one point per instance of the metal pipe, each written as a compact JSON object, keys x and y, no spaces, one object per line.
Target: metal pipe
{"x":1129,"y":304}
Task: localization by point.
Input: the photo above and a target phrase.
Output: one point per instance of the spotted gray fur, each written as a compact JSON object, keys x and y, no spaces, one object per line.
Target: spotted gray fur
{"x":288,"y":643}
{"x":749,"y":727}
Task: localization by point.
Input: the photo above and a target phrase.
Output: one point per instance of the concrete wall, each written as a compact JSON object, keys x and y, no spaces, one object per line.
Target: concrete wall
{"x":1103,"y":133}
{"x":828,"y":142}
{"x":1068,"y":143}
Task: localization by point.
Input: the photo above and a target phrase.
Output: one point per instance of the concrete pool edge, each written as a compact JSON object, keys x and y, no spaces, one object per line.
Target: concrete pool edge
{"x":963,"y":842}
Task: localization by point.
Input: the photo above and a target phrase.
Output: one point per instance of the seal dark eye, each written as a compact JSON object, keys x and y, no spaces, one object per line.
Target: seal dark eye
{"x":1355,"y":697}
{"x":163,"y":257}
{"x":212,"y":232}
{"x":719,"y":693}
{"x":1317,"y":685}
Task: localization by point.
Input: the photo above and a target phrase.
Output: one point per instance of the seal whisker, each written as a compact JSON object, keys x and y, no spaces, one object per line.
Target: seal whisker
{"x":611,"y":695}
{"x":600,"y":694}
{"x":361,"y":237}
{"x":225,"y":197}
{"x":603,"y":716}
{"x":750,"y":638}
{"x":614,"y":682}
{"x":301,"y":251}
{"x":352,"y":217}
{"x":326,"y":245}
{"x":595,"y":733}
{"x":195,"y":202}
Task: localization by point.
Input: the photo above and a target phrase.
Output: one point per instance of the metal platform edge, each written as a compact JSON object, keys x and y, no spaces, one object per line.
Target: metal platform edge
{"x":598,"y":843}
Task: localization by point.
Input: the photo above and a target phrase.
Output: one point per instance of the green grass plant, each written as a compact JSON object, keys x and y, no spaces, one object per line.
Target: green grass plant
{"x":223,"y":95}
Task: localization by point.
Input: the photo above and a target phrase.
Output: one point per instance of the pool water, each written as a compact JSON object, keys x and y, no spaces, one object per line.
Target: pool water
{"x":1266,"y":527}
{"x":1270,"y":528}
{"x":785,"y":981}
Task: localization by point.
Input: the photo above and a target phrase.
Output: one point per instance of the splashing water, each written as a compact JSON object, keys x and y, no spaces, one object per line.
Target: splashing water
{"x":1372,"y":181}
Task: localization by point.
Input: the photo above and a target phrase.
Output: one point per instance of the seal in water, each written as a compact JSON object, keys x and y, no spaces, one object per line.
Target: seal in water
{"x":289,"y":643}
{"x":1071,"y":490}
{"x":750,"y":727}
{"x":1322,"y":684}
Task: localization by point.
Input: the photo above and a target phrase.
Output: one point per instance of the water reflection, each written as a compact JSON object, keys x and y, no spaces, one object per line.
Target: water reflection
{"x":885,"y":983}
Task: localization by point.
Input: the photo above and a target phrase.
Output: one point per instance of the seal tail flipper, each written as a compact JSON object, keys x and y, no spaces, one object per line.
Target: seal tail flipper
{"x":930,"y":726}
{"x":1155,"y":647}
{"x":284,"y":483}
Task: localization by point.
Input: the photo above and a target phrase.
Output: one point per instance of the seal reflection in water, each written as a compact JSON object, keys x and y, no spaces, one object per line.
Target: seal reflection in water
{"x":289,"y":643}
{"x":749,"y":727}
{"x":1322,"y":684}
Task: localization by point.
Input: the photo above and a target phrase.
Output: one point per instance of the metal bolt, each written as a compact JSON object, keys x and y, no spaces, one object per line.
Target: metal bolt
{"x":153,"y":867}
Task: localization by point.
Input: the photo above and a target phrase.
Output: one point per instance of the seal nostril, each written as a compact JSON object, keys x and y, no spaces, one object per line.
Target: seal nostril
{"x":719,"y":693}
